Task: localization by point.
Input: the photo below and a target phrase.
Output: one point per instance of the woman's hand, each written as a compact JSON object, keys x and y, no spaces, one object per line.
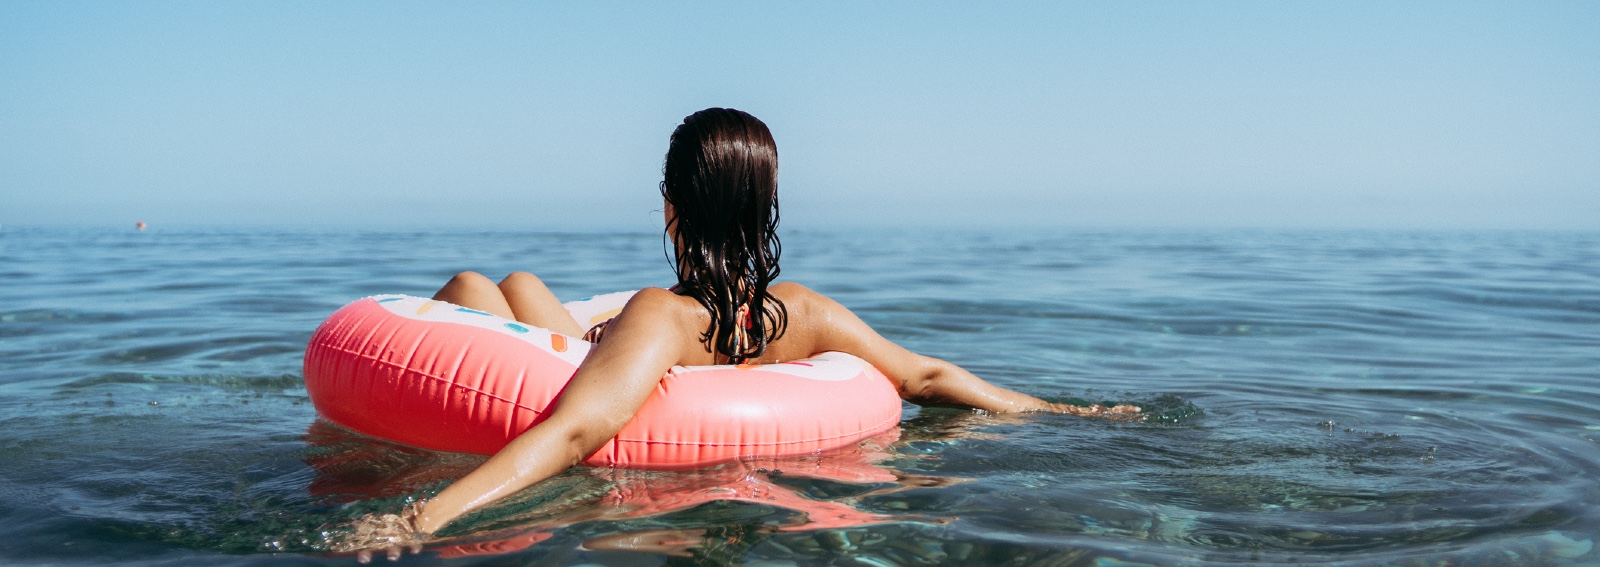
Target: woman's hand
{"x":1119,"y":412}
{"x":391,"y":534}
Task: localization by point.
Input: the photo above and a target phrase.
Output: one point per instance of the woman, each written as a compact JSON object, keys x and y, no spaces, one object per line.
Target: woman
{"x":720,"y":190}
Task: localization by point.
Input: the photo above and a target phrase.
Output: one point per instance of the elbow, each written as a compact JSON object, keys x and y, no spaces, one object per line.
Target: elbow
{"x":924,"y":384}
{"x":577,"y":447}
{"x":580,"y":442}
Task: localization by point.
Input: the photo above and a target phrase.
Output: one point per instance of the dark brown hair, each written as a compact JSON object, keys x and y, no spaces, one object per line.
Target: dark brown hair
{"x":721,"y":182}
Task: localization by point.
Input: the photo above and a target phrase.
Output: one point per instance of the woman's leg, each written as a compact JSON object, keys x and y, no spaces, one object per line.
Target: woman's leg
{"x":472,"y":290}
{"x":520,"y":296}
{"x":533,"y":304}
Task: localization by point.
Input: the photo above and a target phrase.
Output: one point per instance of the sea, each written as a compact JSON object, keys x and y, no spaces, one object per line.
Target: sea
{"x":1312,"y":397}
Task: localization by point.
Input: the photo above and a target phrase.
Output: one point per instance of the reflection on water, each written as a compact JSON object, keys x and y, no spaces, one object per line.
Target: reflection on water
{"x":815,"y":492}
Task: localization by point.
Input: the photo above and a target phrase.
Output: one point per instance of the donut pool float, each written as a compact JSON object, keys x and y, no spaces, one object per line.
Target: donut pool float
{"x":438,"y":376}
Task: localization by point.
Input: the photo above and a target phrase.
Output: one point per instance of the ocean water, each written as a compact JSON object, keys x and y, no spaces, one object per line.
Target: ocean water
{"x":1360,"y":398}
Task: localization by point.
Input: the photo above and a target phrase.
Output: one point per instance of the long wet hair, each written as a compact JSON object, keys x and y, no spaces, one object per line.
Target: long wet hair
{"x":720,"y":181}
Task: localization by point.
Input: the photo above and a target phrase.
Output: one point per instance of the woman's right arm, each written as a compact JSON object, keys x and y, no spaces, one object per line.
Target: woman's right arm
{"x":643,"y":342}
{"x":921,"y":379}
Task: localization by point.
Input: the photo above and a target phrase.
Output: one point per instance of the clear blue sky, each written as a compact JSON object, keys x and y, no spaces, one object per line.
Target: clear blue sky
{"x":530,"y":115}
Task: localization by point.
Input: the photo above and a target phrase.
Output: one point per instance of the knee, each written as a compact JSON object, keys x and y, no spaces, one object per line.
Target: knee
{"x":521,"y":280}
{"x":469,"y":280}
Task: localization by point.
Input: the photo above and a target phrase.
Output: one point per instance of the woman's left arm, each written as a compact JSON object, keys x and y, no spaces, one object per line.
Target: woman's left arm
{"x":924,"y":380}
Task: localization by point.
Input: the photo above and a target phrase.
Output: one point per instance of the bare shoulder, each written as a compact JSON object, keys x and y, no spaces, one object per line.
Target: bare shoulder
{"x":793,"y":295}
{"x":818,"y":323}
{"x":809,"y":307}
{"x":662,"y":310}
{"x":654,"y":296}
{"x":655,"y":319}
{"x":657,"y":302}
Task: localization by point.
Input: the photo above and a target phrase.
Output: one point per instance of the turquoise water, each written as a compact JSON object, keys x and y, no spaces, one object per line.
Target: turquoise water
{"x":1361,"y":398}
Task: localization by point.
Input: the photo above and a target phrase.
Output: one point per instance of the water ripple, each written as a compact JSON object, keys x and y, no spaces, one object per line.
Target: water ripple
{"x":1360,"y":398}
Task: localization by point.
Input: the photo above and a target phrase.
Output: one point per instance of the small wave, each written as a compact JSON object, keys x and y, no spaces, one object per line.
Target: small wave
{"x":37,"y":315}
{"x":282,"y":381}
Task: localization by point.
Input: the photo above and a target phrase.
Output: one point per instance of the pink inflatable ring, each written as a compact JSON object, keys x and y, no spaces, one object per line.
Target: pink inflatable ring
{"x":437,"y":376}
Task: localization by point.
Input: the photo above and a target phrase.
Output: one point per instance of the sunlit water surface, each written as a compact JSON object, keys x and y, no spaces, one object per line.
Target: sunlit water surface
{"x":1377,"y":398}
